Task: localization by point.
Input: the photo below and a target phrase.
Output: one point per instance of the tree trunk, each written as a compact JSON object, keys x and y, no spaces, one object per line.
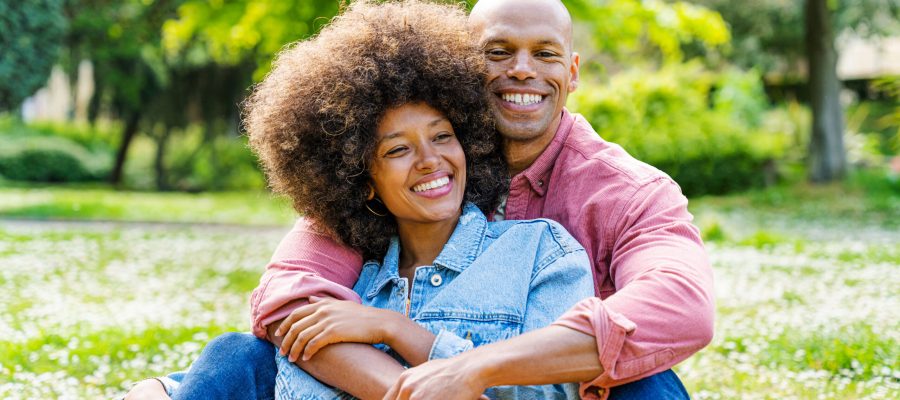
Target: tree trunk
{"x":131,"y":127}
{"x":159,"y":162}
{"x":827,"y":157}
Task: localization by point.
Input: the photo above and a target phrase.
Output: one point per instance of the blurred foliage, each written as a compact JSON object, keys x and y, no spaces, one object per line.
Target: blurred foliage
{"x":231,"y":32}
{"x":50,"y":159}
{"x":702,"y":128}
{"x":30,"y":33}
{"x":768,"y":34}
{"x":656,"y":31}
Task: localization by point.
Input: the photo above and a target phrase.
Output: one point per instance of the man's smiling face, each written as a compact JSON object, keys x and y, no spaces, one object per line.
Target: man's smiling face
{"x":531,"y":66}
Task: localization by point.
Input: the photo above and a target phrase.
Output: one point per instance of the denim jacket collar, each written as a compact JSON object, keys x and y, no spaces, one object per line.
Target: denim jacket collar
{"x":459,"y":252}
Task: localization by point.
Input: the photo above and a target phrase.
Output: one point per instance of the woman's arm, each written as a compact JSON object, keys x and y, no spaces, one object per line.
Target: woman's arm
{"x":325,"y":322}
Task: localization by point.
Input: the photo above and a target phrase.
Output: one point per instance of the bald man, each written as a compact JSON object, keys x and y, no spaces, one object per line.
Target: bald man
{"x":653,"y":306}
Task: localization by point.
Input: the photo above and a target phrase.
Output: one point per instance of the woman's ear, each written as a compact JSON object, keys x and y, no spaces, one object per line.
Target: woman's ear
{"x":371,"y":192}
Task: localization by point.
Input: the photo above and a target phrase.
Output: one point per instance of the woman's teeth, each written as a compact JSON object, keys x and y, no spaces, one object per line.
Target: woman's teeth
{"x":439,"y":182}
{"x":522,"y":99}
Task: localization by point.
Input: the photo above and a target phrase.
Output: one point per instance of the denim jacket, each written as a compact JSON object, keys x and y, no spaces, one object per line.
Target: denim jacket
{"x":492,"y":281}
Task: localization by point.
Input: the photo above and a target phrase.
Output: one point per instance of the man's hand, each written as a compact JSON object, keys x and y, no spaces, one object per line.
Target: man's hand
{"x":326,"y":321}
{"x":148,"y":389}
{"x":437,"y":379}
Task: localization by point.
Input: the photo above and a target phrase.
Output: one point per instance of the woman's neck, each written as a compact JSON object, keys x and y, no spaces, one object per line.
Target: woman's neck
{"x":421,"y":243}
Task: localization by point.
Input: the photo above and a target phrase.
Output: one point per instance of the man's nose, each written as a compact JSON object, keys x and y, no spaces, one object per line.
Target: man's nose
{"x":522,"y":67}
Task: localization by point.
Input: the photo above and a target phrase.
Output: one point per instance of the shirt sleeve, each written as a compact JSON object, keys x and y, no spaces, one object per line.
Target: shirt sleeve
{"x":306,"y":263}
{"x":662,"y":311}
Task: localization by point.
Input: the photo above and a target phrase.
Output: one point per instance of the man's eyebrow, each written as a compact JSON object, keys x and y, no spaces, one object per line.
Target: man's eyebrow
{"x":542,"y":42}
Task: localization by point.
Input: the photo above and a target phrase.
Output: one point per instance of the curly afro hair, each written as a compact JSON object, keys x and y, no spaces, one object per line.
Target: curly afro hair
{"x":312,"y":121}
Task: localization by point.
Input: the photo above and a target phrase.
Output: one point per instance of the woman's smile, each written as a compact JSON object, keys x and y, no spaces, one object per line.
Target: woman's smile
{"x":434,"y":185}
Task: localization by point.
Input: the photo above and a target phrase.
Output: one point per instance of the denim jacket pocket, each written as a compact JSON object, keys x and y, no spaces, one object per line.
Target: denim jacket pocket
{"x":479,"y":328}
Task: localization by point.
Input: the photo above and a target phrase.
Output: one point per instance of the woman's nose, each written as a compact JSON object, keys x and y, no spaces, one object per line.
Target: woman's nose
{"x":429,"y":158}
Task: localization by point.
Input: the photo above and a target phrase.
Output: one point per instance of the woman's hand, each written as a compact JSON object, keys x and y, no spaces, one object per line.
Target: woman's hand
{"x":147,"y":389}
{"x":326,"y":321}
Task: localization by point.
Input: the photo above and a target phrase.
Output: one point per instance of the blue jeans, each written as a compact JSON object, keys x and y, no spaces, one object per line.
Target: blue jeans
{"x":240,"y":366}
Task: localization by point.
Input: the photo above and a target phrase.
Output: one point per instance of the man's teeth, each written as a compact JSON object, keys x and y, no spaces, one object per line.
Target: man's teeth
{"x":522,"y":99}
{"x":432,"y":185}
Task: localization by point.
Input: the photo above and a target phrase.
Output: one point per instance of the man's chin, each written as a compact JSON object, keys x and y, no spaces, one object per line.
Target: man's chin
{"x":521,"y":131}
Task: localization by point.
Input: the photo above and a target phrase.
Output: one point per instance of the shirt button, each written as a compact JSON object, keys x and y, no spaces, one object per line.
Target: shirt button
{"x":436,"y":280}
{"x":540,"y":183}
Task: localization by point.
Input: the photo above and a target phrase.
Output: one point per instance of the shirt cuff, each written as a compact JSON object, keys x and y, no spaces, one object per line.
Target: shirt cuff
{"x":447,"y":345}
{"x":609,"y":330}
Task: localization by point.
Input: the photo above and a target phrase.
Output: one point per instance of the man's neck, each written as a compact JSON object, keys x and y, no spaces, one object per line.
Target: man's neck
{"x":520,"y":154}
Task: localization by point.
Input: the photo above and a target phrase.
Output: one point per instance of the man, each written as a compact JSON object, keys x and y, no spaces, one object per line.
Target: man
{"x":654,"y":304}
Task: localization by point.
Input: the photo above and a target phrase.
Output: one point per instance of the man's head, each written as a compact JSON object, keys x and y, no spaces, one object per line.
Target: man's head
{"x":531,"y":66}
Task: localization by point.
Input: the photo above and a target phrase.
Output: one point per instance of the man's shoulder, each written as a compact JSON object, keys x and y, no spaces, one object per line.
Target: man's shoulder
{"x":586,"y":154}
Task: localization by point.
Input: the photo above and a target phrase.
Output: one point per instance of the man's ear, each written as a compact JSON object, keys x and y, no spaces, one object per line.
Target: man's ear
{"x":573,"y":72}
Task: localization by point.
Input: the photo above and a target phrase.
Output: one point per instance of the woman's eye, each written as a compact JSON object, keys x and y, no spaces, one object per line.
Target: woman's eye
{"x":443,"y":137}
{"x":395,"y":151}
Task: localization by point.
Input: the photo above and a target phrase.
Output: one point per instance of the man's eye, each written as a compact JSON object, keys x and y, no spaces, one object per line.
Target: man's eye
{"x":545,"y":54}
{"x":496,"y":52}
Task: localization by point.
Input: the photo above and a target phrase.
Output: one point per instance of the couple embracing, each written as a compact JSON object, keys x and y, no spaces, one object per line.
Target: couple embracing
{"x":464,"y":235}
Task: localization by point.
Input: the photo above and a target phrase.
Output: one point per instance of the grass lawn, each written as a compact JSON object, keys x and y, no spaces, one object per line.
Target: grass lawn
{"x":807,"y":283}
{"x":101,"y":203}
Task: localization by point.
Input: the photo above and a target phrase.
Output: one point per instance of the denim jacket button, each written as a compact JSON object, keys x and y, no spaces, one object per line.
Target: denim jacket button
{"x":436,"y":280}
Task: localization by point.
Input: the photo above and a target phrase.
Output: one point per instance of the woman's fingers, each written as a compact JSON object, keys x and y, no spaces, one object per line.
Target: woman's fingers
{"x":296,"y":315}
{"x":302,"y":338}
{"x":294,"y":332}
{"x":325,"y":337}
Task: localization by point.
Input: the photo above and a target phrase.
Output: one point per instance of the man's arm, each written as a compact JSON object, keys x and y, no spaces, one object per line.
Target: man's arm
{"x":549,"y":355}
{"x":663,"y":308}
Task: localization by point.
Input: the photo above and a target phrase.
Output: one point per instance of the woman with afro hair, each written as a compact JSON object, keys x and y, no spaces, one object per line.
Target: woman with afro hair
{"x":378,"y":130}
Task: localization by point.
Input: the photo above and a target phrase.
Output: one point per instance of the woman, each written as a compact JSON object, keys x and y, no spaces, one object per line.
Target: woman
{"x":378,"y":130}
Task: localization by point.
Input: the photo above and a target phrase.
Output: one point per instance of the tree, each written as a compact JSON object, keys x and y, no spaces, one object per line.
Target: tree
{"x":827,"y":156}
{"x":774,"y":35}
{"x":30,"y":37}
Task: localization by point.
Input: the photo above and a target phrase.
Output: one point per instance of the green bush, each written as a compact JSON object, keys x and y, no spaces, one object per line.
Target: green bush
{"x":50,"y":159}
{"x":704,"y":129}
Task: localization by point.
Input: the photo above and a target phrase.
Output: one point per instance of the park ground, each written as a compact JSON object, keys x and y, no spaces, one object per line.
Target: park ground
{"x":99,"y":288}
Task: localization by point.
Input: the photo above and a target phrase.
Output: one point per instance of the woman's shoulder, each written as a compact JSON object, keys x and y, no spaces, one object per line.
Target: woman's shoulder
{"x":541,"y":232}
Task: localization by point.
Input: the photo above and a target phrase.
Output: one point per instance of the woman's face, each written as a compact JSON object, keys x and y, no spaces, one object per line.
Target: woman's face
{"x":419,"y":168}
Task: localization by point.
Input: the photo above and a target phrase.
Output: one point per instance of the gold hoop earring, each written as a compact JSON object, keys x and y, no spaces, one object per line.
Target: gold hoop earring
{"x":384,"y":214}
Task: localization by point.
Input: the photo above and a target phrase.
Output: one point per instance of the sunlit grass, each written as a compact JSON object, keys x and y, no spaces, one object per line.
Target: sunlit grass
{"x":101,"y":203}
{"x":806,"y":304}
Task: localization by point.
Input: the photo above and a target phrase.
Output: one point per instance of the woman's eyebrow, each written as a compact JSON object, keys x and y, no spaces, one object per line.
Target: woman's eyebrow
{"x":437,"y":121}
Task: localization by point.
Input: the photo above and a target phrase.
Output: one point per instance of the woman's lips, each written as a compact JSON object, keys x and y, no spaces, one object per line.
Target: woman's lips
{"x":434,"y":189}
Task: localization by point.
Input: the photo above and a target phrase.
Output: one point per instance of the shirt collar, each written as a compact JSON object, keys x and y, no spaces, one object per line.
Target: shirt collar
{"x":459,"y":252}
{"x":538,"y":172}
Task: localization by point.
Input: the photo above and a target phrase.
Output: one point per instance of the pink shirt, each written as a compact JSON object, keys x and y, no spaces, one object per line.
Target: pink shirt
{"x":654,"y":285}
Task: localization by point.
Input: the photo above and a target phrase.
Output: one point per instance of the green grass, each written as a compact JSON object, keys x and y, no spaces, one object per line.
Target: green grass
{"x":100,"y":203}
{"x":805,"y":276}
